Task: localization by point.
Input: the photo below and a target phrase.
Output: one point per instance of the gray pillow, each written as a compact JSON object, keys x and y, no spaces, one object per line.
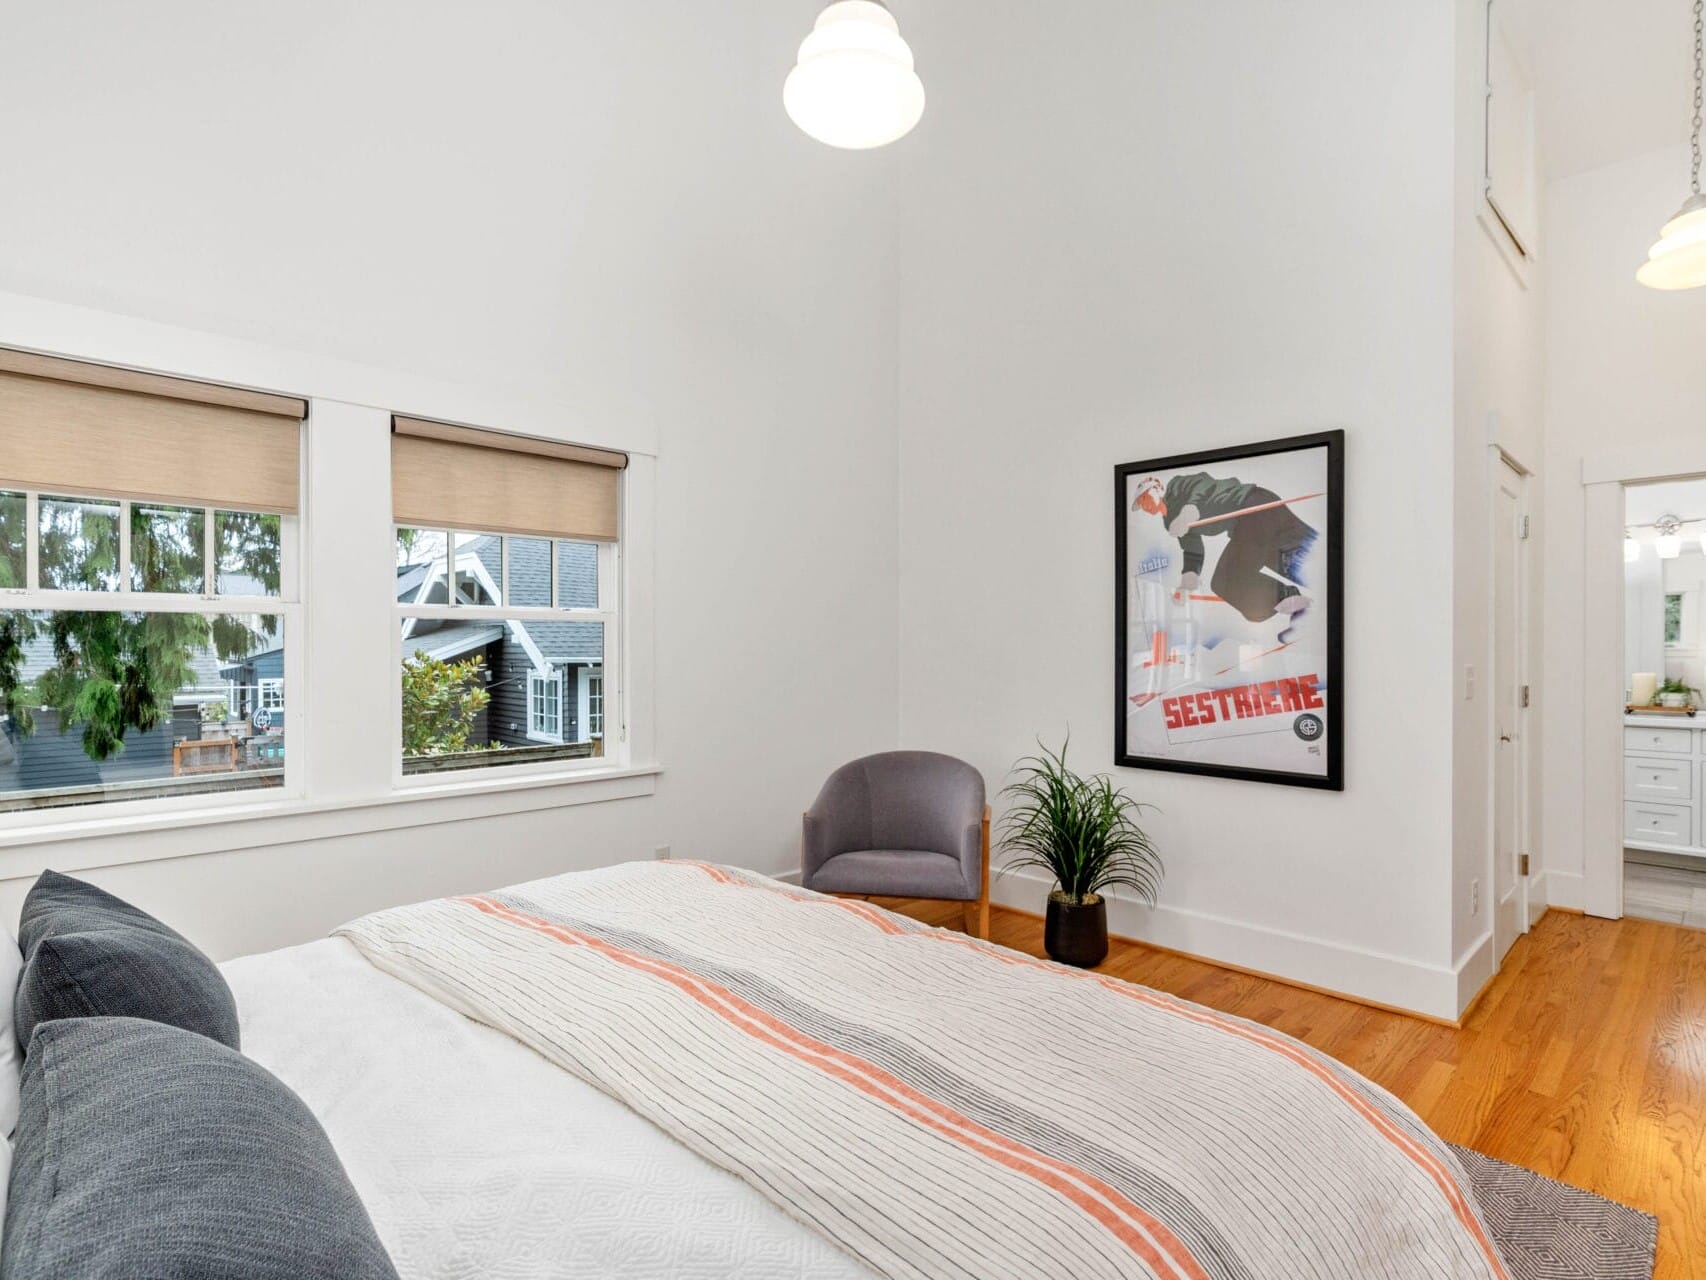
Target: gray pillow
{"x":89,"y":954}
{"x":147,"y":1151}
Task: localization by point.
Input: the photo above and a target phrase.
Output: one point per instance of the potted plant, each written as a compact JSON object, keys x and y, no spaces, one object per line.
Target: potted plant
{"x":1084,"y":833}
{"x":1675,"y":693}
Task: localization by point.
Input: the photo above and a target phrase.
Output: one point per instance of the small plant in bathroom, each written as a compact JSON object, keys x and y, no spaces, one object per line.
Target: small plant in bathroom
{"x":1676,"y":693}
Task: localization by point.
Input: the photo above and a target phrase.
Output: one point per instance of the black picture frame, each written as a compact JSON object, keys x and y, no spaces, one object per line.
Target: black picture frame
{"x":1331,"y":778}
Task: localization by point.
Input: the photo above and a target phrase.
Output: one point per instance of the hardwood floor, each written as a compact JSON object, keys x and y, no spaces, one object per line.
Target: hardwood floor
{"x":1585,"y":1060}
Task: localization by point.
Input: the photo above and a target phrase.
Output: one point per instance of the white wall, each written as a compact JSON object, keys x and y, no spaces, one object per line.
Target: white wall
{"x":585,"y":220}
{"x":1157,"y":228}
{"x":1498,"y":383}
{"x":1624,"y":377}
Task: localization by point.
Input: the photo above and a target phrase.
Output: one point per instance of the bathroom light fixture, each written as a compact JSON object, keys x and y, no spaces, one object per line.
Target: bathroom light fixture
{"x":1632,"y":547}
{"x":1669,"y":541}
{"x":1678,"y":260}
{"x":854,"y":86}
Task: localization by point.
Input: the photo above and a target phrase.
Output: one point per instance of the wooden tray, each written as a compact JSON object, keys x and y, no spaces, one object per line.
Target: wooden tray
{"x":1659,"y":711}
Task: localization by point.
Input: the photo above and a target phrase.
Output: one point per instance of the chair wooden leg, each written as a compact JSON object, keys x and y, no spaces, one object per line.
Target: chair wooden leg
{"x":977,"y":913}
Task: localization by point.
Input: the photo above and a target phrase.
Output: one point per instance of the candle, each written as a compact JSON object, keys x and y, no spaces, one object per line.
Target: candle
{"x":1643,"y":688}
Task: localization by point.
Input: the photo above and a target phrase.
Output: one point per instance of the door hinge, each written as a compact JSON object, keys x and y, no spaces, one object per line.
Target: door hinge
{"x":1522,"y":864}
{"x":1524,"y":534}
{"x":1527,"y":695}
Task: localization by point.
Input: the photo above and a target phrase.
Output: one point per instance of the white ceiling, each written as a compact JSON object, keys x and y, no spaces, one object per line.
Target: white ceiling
{"x":1613,"y":78}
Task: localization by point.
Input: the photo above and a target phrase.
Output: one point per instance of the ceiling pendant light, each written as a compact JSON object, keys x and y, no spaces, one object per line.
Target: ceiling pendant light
{"x":1678,"y":260}
{"x":854,"y":86}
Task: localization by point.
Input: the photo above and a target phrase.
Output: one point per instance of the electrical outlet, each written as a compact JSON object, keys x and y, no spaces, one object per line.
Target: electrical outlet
{"x":1469,"y":683}
{"x":1474,"y":898}
{"x":661,"y":853}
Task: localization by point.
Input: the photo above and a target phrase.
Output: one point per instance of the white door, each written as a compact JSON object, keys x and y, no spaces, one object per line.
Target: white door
{"x":1510,"y":770}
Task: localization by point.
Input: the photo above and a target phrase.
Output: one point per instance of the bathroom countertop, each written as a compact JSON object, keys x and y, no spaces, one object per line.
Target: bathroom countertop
{"x":1697,"y":721}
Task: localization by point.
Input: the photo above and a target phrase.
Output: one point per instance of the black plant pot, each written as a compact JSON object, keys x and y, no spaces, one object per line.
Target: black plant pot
{"x":1076,"y":934}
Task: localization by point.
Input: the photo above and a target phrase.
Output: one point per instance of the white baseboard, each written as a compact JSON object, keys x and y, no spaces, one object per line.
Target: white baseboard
{"x":1371,"y":976}
{"x":1475,"y":969}
{"x":1364,"y":975}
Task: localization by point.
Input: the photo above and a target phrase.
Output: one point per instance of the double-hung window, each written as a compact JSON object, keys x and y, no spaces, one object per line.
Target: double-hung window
{"x":147,"y":583}
{"x":507,"y":598}
{"x":545,"y":706}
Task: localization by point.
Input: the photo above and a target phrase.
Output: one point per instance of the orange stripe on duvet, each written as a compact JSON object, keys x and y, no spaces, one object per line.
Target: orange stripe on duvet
{"x":1146,"y":1236}
{"x":1418,"y":1154}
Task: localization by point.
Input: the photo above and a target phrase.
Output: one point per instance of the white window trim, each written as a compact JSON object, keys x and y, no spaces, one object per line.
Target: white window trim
{"x":535,"y":679}
{"x":286,"y":606}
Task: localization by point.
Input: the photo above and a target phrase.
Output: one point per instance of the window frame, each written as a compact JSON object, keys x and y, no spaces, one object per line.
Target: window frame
{"x":592,"y":702}
{"x":537,"y":682}
{"x":269,"y":693}
{"x":286,"y":606}
{"x":609,"y":614}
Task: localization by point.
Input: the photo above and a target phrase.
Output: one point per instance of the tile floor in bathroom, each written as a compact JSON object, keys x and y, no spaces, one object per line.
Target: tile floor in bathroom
{"x":1673,"y":895}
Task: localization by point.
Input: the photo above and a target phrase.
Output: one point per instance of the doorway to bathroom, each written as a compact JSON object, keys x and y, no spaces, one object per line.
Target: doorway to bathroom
{"x":1664,"y":727}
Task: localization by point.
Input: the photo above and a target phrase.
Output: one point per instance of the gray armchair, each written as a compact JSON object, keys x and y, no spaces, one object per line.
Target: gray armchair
{"x":902,"y":824}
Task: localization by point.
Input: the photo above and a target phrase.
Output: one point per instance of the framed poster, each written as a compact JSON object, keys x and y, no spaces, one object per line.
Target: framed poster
{"x":1229,"y":614}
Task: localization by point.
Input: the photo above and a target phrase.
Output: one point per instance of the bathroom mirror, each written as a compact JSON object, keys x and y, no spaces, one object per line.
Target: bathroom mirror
{"x":1664,"y":571}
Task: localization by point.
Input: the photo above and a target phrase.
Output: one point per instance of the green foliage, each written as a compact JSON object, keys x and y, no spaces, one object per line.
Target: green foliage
{"x":441,"y":701}
{"x":115,"y":672}
{"x":215,"y":712}
{"x":1082,"y":831}
{"x":249,"y":542}
{"x":1674,"y":685}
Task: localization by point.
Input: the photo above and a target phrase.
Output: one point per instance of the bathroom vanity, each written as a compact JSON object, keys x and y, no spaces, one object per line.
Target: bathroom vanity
{"x":1664,"y":778}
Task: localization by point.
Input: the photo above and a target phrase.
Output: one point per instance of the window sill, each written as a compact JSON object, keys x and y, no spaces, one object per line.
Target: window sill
{"x":78,"y":841}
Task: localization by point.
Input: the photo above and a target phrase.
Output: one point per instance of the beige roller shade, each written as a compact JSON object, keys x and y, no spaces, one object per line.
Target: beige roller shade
{"x":449,"y":477}
{"x":76,"y":428}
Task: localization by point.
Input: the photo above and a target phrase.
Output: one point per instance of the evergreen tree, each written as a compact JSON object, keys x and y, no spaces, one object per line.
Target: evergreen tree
{"x":114,"y":672}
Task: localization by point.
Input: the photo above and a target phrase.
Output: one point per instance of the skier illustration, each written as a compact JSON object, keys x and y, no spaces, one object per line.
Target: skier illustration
{"x":1259,"y":569}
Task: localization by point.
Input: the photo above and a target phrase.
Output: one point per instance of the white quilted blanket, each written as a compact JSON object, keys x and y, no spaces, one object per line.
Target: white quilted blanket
{"x":479,"y":1160}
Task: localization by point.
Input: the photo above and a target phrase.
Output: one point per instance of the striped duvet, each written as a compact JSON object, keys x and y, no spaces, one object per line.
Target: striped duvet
{"x":941,"y":1107}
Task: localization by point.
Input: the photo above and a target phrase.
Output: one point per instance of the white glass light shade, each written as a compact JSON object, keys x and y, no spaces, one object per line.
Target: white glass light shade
{"x":1678,"y":260}
{"x":1631,"y":550}
{"x":1669,"y":545}
{"x":854,"y":86}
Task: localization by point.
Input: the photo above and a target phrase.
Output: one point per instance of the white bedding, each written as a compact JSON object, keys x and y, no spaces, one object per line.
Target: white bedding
{"x":480,"y":1160}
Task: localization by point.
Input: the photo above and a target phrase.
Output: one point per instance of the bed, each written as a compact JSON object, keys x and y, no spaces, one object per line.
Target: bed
{"x":480,"y":1160}
{"x":667,"y":1070}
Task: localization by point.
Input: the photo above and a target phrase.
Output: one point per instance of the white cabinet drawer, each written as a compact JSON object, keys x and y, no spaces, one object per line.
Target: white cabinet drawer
{"x":1655,"y":778}
{"x":1658,"y":823}
{"x":1671,"y":741}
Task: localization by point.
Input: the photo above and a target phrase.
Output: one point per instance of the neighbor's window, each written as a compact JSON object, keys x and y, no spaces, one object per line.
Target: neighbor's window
{"x":545,"y":706}
{"x":595,"y":702}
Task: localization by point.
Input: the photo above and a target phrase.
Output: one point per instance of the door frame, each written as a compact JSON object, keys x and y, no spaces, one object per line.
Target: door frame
{"x":1500,"y":461}
{"x":1604,"y":477}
